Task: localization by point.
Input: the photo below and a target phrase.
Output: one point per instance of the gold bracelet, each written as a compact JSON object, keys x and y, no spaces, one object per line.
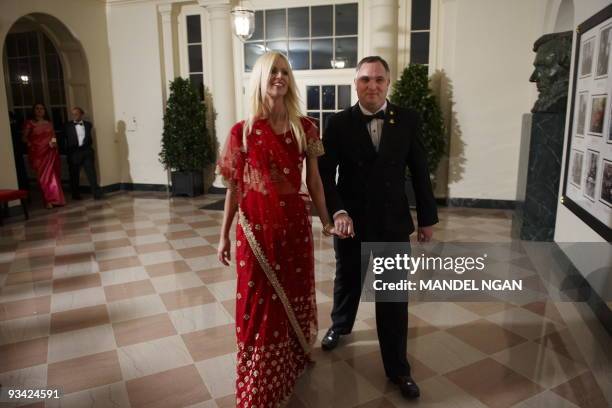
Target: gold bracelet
{"x":327,"y":229}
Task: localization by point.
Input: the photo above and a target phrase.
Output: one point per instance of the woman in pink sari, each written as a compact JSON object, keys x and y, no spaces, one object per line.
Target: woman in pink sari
{"x":43,"y":155}
{"x":276,"y":314}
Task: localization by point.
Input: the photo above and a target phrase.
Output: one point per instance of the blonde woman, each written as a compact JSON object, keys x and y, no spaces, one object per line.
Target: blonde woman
{"x":276,"y":316}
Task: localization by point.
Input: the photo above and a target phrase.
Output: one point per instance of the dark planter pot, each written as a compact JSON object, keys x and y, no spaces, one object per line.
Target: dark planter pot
{"x":189,"y":183}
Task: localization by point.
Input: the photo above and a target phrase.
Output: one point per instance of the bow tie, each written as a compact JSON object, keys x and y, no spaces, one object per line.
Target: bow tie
{"x":378,"y":115}
{"x":79,"y":123}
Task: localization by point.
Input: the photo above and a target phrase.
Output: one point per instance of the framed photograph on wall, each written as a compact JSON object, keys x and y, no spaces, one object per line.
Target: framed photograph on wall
{"x":606,"y":183}
{"x":586,"y":61}
{"x":587,"y":184}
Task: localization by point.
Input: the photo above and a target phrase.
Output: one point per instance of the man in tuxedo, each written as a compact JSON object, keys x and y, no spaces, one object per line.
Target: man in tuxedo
{"x":371,"y":144}
{"x":80,"y":153}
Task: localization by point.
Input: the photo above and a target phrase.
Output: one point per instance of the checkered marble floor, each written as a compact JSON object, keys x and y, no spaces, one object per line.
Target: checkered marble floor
{"x":122,"y":303}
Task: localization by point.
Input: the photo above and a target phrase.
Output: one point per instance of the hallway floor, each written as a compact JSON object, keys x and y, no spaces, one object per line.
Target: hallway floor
{"x":122,"y":303}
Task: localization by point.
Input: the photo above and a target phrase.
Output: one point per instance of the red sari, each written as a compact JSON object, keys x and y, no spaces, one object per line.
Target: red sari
{"x":45,"y":161}
{"x":276,"y":314}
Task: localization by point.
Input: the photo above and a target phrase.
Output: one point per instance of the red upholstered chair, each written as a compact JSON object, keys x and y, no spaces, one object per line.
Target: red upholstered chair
{"x":7,"y":196}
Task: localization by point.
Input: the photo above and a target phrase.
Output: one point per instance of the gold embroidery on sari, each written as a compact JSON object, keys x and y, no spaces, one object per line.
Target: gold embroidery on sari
{"x":314,"y":148}
{"x":265,"y":265}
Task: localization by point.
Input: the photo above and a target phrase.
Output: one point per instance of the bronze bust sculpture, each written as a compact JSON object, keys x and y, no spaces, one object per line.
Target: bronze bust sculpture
{"x":551,"y":73}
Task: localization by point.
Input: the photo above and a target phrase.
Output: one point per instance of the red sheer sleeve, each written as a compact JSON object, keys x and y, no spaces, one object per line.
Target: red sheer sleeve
{"x":231,"y":161}
{"x":314,"y":146}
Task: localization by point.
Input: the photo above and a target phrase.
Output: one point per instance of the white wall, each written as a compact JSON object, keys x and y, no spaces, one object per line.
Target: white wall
{"x":568,"y":227}
{"x":86,"y":20}
{"x":134,"y":41}
{"x":485,"y":53}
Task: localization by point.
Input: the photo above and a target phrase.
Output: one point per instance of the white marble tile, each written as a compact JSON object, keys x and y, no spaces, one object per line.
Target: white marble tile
{"x":76,"y":269}
{"x":159,"y":257}
{"x":22,"y":291}
{"x":117,"y":276}
{"x":111,"y":395}
{"x":148,"y":239}
{"x":27,"y":264}
{"x":188,"y":242}
{"x":138,"y":225}
{"x":25,"y":328}
{"x":204,"y":262}
{"x":219,"y":374}
{"x":225,"y":290}
{"x":334,"y":385}
{"x":141,"y":306}
{"x":84,"y":248}
{"x":200,"y":317}
{"x":523,"y":322}
{"x":9,"y":256}
{"x":546,"y":399}
{"x":77,"y":299}
{"x":442,"y":352}
{"x":173,"y":228}
{"x":540,"y":364}
{"x":438,"y":392}
{"x":114,"y":253}
{"x":78,"y":343}
{"x":31,"y":377}
{"x":105,"y":236}
{"x":170,"y":283}
{"x":206,"y":404}
{"x":208,"y":231}
{"x":443,"y":314}
{"x":153,"y":356}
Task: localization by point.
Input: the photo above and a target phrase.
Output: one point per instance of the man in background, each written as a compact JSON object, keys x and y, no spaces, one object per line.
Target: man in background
{"x":80,"y":153}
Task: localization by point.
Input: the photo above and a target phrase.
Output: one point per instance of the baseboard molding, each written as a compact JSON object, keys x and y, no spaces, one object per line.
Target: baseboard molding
{"x":216,"y":190}
{"x":111,"y":188}
{"x":477,"y":203}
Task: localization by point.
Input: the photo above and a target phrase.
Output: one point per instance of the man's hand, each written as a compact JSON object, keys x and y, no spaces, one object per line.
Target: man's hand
{"x":424,"y":234}
{"x":223,"y":251}
{"x":343,"y":226}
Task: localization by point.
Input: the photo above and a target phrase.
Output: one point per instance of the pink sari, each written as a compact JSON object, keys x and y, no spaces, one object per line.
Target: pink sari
{"x":276,"y":313}
{"x":45,"y":161}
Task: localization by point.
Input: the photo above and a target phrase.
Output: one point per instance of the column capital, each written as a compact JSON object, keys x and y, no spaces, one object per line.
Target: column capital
{"x":165,"y":8}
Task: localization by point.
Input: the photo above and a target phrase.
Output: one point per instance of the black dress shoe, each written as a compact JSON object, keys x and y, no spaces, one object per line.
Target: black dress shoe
{"x":407,"y":386}
{"x":330,"y":340}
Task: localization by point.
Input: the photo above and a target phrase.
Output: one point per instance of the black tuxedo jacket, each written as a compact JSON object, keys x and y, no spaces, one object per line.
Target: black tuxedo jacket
{"x":72,"y":141}
{"x":371,"y":184}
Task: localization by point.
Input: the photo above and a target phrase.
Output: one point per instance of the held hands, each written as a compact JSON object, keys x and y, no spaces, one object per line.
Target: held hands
{"x":343,"y":226}
{"x":424,"y":234}
{"x":53,"y":143}
{"x":223,"y":252}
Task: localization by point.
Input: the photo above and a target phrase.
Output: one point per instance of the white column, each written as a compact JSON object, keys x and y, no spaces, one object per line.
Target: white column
{"x":222,"y":69}
{"x":166,"y":13}
{"x":383,"y":16}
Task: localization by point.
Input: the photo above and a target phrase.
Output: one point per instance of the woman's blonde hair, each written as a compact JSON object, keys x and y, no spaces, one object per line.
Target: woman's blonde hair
{"x":260,"y":78}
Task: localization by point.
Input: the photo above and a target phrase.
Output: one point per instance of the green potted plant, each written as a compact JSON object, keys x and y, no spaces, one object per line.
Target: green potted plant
{"x":412,"y":91}
{"x":187,"y":147}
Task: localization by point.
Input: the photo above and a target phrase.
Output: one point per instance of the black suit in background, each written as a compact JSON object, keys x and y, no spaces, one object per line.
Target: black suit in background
{"x":370,"y":188}
{"x":80,"y":156}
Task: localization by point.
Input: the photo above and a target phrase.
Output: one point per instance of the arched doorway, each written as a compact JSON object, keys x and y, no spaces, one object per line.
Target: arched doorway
{"x":42,"y":62}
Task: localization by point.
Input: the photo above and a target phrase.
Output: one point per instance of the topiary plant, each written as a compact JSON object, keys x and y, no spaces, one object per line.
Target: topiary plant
{"x":186,"y":144}
{"x":412,"y":91}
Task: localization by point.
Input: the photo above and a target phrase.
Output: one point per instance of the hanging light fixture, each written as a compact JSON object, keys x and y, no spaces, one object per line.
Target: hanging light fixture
{"x":243,"y":21}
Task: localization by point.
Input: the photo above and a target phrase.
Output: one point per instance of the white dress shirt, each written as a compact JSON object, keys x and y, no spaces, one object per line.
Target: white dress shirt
{"x":80,"y":131}
{"x":375,"y":130}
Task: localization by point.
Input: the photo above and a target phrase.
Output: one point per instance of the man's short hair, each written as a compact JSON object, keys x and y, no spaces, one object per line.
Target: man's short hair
{"x":79,"y":109}
{"x":373,"y":58}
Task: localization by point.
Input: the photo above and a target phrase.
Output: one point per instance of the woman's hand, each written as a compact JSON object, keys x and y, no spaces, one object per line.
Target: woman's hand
{"x":223,"y":252}
{"x":53,"y":143}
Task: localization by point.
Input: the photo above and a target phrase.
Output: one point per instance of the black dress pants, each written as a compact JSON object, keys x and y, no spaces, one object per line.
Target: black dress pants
{"x":391,"y":317}
{"x":82,"y":157}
